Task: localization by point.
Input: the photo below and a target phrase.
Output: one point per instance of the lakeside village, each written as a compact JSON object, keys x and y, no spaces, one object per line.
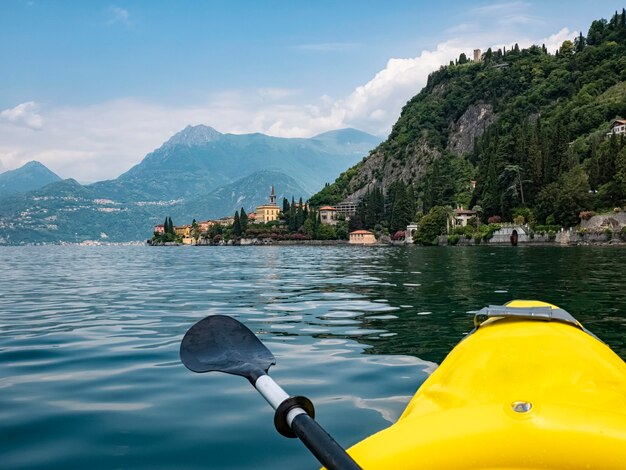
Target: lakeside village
{"x":392,"y":218}
{"x":300,"y":223}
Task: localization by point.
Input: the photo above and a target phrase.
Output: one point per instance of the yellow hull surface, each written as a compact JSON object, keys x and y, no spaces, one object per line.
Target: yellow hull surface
{"x":517,"y":393}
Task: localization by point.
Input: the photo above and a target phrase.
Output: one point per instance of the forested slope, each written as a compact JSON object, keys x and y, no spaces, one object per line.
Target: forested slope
{"x":528,"y":126}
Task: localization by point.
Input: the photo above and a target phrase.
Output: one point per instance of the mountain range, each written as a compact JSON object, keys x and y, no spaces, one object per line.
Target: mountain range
{"x":198,"y":173}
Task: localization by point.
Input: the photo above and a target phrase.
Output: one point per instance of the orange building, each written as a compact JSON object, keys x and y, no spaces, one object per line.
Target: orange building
{"x":362,"y":237}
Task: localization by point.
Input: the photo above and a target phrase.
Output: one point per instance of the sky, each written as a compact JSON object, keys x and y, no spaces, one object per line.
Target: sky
{"x":89,"y":88}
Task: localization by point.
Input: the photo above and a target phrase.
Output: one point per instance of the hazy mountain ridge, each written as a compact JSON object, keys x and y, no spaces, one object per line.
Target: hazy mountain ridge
{"x":185,"y":170}
{"x":198,"y":173}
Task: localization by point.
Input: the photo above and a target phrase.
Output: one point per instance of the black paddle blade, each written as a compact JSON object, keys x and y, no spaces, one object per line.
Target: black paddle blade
{"x":221,"y":343}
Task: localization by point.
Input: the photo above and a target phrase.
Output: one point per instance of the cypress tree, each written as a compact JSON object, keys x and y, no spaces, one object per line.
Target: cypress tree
{"x":299,"y":215}
{"x":292,"y":215}
{"x":243,"y":220}
{"x":286,"y":206}
{"x":237,"y":225}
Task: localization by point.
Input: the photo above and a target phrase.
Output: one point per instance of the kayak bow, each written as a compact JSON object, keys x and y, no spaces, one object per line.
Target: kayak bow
{"x":529,"y":388}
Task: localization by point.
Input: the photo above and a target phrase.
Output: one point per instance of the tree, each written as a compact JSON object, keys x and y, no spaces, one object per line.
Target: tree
{"x":292,"y":221}
{"x":237,"y":225}
{"x":243,"y":220}
{"x":565,"y":199}
{"x":620,"y":173}
{"x":580,"y":42}
{"x":169,"y":225}
{"x":431,"y":226}
{"x":300,"y":214}
{"x":438,"y":184}
{"x":403,"y":209}
{"x":597,"y":32}
{"x":195,"y":230}
{"x":567,"y":48}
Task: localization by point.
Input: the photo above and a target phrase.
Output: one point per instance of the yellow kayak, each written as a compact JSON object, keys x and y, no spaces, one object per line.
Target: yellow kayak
{"x":529,"y":388}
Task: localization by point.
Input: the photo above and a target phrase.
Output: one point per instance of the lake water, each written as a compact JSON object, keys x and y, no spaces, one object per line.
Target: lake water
{"x":89,"y":369}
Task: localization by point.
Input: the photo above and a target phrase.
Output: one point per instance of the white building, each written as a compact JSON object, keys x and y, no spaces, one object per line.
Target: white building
{"x":618,"y":127}
{"x":461,"y":216}
{"x":328,"y":215}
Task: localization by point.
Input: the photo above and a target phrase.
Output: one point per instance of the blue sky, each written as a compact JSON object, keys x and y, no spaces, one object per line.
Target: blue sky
{"x":84,"y":83}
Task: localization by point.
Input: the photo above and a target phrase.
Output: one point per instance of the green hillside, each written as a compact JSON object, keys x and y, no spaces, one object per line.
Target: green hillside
{"x":528,"y":126}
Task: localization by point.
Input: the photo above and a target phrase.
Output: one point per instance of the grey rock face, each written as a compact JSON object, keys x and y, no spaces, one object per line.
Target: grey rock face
{"x":470,"y":126}
{"x":379,"y":170}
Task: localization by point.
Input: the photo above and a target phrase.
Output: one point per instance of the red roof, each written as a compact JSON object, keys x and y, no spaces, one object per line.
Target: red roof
{"x":618,"y":122}
{"x":361,"y":232}
{"x":327,"y":208}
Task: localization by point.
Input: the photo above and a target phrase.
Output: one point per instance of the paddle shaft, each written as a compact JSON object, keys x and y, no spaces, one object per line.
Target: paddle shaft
{"x":315,"y":438}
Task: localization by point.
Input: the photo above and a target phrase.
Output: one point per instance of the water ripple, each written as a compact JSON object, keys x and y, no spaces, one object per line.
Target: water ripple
{"x":89,"y":339}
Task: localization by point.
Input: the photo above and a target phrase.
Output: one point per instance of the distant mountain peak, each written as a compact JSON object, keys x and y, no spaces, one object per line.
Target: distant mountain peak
{"x":30,"y":176}
{"x":346,"y":135}
{"x":194,"y":135}
{"x":33,"y":164}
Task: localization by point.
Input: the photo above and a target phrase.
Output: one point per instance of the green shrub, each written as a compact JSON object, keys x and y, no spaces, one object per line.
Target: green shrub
{"x":453,"y":239}
{"x":431,"y":226}
{"x":551,"y":234}
{"x":608,"y":233}
{"x":477,"y":238}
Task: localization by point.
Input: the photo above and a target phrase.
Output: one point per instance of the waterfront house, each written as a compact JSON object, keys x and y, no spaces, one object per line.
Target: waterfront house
{"x":159,"y":229}
{"x":252,"y":217}
{"x":225,"y":221}
{"x":328,"y":215}
{"x":461,"y":216}
{"x":183,"y":230}
{"x":617,"y":127}
{"x":362,"y":237}
{"x":204,"y":226}
{"x":268,"y":212}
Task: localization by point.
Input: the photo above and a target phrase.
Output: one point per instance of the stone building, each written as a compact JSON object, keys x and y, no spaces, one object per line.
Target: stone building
{"x":328,"y":215}
{"x":268,"y":212}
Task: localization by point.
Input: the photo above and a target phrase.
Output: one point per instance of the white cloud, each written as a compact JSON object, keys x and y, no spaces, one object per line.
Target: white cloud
{"x":119,"y":15}
{"x":24,"y":115}
{"x":103,"y":140}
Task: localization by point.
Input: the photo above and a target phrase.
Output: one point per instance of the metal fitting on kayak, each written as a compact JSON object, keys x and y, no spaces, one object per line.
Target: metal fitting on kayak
{"x":521,"y":406}
{"x":512,"y":309}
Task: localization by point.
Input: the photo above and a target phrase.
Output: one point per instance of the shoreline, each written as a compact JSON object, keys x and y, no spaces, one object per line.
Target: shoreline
{"x":470,"y":243}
